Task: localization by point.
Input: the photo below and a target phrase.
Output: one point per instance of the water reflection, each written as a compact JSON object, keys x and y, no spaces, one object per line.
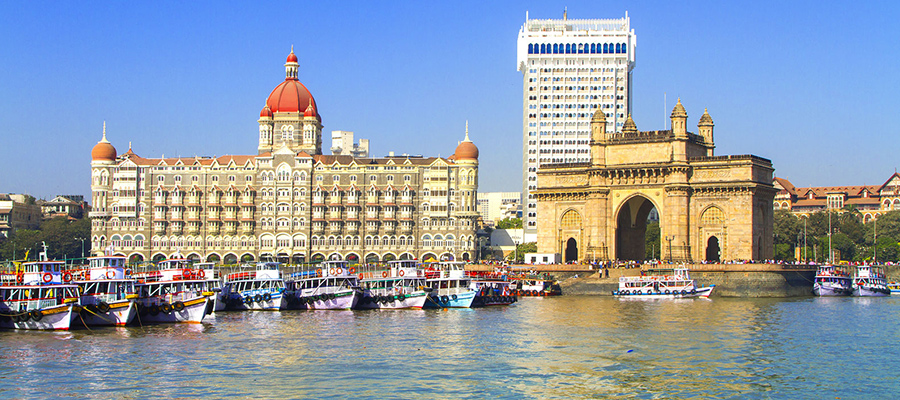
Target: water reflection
{"x":539,"y":348}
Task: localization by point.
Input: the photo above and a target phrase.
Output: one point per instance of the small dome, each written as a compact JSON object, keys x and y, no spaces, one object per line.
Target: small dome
{"x":705,"y":119}
{"x":599,"y":116}
{"x":466,"y":150}
{"x":310,"y":110}
{"x":266,"y":112}
{"x":630,"y":126}
{"x":103,"y":150}
{"x":292,"y":58}
{"x":679,"y":110}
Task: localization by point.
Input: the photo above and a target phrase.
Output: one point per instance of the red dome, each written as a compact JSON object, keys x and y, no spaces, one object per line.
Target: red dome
{"x":310,"y":111}
{"x":266,"y":112}
{"x":292,"y":58}
{"x":289,"y":96}
{"x":103,"y":151}
{"x":466,"y":151}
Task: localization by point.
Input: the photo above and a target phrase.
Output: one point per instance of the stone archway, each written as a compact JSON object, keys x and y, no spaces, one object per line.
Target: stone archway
{"x":631,"y":228}
{"x":571,"y":250}
{"x":712,"y":249}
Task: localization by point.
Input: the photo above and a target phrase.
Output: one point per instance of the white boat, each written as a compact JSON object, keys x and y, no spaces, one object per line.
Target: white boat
{"x":257,"y":287}
{"x":450,"y":287}
{"x":534,"y":285}
{"x":173,"y":291}
{"x":401,"y":285}
{"x":215,"y":283}
{"x":832,"y":280}
{"x":331,"y":285}
{"x":894,"y":288}
{"x":662,"y":283}
{"x":869,"y":281}
{"x":107,"y":291}
{"x":37,"y":299}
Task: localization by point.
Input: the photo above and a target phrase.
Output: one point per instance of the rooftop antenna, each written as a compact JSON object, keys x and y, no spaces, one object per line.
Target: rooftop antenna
{"x":565,"y":13}
{"x":665,"y":107}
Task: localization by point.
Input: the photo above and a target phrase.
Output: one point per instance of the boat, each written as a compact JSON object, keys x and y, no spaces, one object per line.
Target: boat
{"x":401,"y":285}
{"x":256,"y":287}
{"x":108,"y":293}
{"x":832,"y":280}
{"x":869,"y":281}
{"x":331,"y":285}
{"x":534,"y":285}
{"x":172,"y":291}
{"x":894,"y":287}
{"x":34,"y":297}
{"x":492,"y":289}
{"x":661,"y":283}
{"x":215,"y":283}
{"x":450,"y":287}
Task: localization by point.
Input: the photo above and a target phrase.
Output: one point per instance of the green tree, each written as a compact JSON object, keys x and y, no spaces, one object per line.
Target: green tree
{"x":518,"y":255}
{"x":652,"y":241}
{"x":510,"y":223}
{"x":787,"y":233}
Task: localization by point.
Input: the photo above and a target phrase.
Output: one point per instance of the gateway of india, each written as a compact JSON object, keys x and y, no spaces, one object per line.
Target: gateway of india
{"x":711,"y":208}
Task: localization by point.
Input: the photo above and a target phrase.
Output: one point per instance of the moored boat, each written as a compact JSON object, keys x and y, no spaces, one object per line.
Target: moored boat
{"x":832,"y":280}
{"x":869,"y":281}
{"x":172,"y":291}
{"x":257,"y":286}
{"x":401,"y":285}
{"x":215,"y":283}
{"x":662,"y":283}
{"x":450,"y":288}
{"x":107,"y":291}
{"x":492,"y":289}
{"x":331,"y":285}
{"x":38,"y":299}
{"x":894,"y":287}
{"x":534,"y":285}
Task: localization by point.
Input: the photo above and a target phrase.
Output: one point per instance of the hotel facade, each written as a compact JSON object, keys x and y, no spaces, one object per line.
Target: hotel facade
{"x":570,"y":69}
{"x":288,"y":201}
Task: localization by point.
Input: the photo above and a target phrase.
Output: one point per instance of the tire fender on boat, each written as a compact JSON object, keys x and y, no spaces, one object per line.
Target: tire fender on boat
{"x":36,"y":315}
{"x":267,"y":297}
{"x":178,"y":306}
{"x":257,"y":298}
{"x":102,"y":307}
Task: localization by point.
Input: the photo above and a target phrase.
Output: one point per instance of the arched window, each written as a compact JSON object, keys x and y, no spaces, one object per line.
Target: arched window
{"x":530,"y":48}
{"x":571,"y":220}
{"x":712,"y":216}
{"x":605,"y":48}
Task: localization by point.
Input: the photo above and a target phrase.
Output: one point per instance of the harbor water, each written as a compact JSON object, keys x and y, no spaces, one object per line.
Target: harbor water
{"x":562,"y":347}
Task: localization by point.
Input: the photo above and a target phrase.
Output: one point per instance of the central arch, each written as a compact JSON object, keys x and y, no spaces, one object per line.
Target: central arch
{"x":631,"y":228}
{"x":571,"y":250}
{"x":712,"y":249}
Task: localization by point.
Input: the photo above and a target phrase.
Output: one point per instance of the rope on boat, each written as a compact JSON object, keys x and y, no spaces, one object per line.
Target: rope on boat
{"x":84,"y":323}
{"x":97,"y":315}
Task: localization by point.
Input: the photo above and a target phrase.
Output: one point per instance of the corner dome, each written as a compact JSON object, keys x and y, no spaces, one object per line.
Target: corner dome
{"x":266,"y":112}
{"x":103,"y":150}
{"x":466,"y":150}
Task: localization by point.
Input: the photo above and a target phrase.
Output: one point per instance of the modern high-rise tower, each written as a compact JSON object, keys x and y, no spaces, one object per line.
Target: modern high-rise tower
{"x":570,"y":67}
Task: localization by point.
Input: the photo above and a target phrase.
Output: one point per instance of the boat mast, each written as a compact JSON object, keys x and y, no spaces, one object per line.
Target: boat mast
{"x":875,"y":241}
{"x":830,"y":251}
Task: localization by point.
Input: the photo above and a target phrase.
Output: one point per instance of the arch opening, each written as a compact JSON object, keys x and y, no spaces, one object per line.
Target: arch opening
{"x":571,"y":250}
{"x":637,"y":230}
{"x":712,"y":249}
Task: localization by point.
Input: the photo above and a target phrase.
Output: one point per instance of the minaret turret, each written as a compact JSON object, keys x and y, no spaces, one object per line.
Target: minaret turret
{"x":598,"y":137}
{"x":679,"y":120}
{"x":705,"y":128}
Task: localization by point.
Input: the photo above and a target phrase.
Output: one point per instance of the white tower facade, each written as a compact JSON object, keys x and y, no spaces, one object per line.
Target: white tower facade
{"x":570,"y":68}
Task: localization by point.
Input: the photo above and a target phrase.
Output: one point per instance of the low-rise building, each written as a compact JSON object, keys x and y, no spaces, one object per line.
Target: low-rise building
{"x":870,"y":200}
{"x":18,"y":211}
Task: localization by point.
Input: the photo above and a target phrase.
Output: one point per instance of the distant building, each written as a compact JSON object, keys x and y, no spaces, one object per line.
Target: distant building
{"x":15,"y":214}
{"x":495,"y":206}
{"x":870,"y":200}
{"x":342,"y":145}
{"x":571,"y":68}
{"x":63,"y":206}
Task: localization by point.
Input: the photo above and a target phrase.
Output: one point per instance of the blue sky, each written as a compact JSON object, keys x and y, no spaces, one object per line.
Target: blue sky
{"x":810,"y":85}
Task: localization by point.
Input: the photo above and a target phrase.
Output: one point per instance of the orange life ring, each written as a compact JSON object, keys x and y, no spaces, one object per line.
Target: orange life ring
{"x":352,"y":270}
{"x":319,"y":272}
{"x":110,"y":274}
{"x":401,"y":273}
{"x":47,"y":277}
{"x":384,"y":274}
{"x":20,"y":278}
{"x":186,"y":273}
{"x":201,"y":273}
{"x":360,"y":275}
{"x":128,"y":271}
{"x":339,"y":271}
{"x":67,"y":277}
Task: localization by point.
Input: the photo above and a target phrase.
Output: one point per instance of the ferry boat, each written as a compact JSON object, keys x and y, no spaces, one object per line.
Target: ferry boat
{"x":894,"y":288}
{"x":492,"y":289}
{"x":534,"y":285}
{"x":173,"y":291}
{"x":869,"y":281}
{"x":832,"y":280}
{"x":107,"y":291}
{"x":450,"y":288}
{"x":662,"y":283}
{"x":331,"y":285}
{"x":399,"y":286}
{"x":215,"y":283}
{"x":37,"y":298}
{"x":258,"y":287}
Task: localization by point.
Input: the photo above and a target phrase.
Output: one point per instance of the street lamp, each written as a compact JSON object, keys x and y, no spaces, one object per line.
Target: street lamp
{"x":82,"y":247}
{"x":669,"y":239}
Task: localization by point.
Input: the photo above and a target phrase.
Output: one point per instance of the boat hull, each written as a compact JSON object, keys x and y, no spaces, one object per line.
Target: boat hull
{"x":648,"y":294}
{"x":194,"y":311}
{"x":342,"y":300}
{"x":870,"y":291}
{"x":458,"y":300}
{"x":55,"y":318}
{"x":120,"y":313}
{"x":487,"y":301}
{"x":828,"y":290}
{"x":376,"y":302}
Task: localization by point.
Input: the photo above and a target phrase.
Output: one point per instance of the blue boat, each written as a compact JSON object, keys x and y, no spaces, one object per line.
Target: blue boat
{"x":449,"y":286}
{"x":259,"y":289}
